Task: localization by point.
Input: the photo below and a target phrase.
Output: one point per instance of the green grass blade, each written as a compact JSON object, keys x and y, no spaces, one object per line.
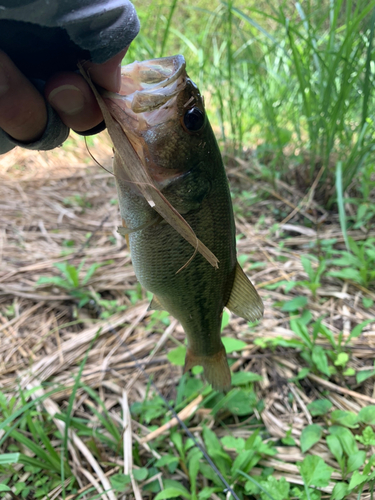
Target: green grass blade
{"x":64,"y":446}
{"x":167,"y":27}
{"x":367,"y":86}
{"x":340,"y":203}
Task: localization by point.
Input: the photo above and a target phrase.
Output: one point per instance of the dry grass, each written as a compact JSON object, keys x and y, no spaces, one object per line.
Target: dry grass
{"x":44,"y":337}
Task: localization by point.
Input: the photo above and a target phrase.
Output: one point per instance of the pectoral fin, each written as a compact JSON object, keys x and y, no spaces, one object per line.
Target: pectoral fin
{"x":122,"y":230}
{"x":244,"y":299}
{"x":155,"y":305}
{"x":125,"y":231}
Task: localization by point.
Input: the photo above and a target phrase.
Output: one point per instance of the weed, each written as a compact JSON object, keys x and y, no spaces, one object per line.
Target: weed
{"x":72,"y":283}
{"x":357,"y":263}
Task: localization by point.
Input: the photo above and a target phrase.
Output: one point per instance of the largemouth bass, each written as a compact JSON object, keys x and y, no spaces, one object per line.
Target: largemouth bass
{"x":166,"y":123}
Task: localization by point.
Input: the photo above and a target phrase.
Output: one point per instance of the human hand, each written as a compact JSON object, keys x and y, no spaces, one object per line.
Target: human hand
{"x":23,"y":113}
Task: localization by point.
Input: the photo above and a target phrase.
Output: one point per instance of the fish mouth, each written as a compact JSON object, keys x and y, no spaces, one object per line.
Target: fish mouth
{"x":148,"y":93}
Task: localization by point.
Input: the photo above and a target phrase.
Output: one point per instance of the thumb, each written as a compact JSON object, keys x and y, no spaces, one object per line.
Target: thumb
{"x":108,"y":74}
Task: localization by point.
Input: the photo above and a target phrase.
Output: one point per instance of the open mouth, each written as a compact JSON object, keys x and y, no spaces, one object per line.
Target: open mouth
{"x":149,"y":91}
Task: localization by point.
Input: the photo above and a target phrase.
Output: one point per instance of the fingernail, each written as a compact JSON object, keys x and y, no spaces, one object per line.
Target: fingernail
{"x":4,"y":85}
{"x":68,"y":99}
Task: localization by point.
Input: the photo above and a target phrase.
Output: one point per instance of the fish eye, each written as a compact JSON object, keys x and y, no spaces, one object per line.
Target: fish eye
{"x":193,"y":119}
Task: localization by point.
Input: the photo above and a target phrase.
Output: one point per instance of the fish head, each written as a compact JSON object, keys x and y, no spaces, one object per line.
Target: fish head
{"x":163,"y":116}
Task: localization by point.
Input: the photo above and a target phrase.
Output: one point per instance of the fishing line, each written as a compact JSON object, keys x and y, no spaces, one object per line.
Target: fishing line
{"x":228,"y":488}
{"x":95,"y":160}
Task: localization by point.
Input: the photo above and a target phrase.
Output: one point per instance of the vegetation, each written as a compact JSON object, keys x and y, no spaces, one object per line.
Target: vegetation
{"x":294,"y":79}
{"x":289,"y":88}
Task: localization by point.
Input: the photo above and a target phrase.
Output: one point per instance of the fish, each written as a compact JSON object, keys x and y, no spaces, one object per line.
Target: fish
{"x":164,"y":118}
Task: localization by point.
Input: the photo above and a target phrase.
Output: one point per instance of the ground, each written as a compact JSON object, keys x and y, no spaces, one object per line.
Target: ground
{"x":83,"y":329}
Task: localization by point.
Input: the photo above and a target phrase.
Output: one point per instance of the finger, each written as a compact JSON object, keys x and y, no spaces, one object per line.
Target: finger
{"x":108,"y":74}
{"x":23,"y":113}
{"x":73,"y":100}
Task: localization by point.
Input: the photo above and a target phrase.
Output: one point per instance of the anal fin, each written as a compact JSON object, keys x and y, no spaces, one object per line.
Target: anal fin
{"x":155,"y":304}
{"x":244,"y":300}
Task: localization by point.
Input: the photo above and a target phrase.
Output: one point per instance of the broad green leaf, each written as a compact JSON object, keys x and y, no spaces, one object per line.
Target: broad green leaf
{"x":120,"y":482}
{"x":342,"y":359}
{"x":364,"y":375}
{"x":71,"y":273}
{"x":245,"y":461}
{"x":225,"y":319}
{"x":215,"y":450}
{"x":207,"y":492}
{"x":140,"y":474}
{"x":356,"y":461}
{"x":210,"y":474}
{"x":277,"y":488}
{"x":310,"y":436}
{"x":327,"y":333}
{"x":168,"y":460}
{"x":319,"y":407}
{"x":300,"y":329}
{"x":367,"y":302}
{"x":348,"y":274}
{"x":357,"y":330}
{"x":301,"y":374}
{"x":368,"y":437}
{"x":340,"y":491}
{"x":242,"y":402}
{"x":194,"y":463}
{"x":91,"y":270}
{"x":346,"y":439}
{"x":173,"y":493}
{"x":294,"y":304}
{"x":288,"y":441}
{"x":345,"y":418}
{"x":3,"y":487}
{"x":315,"y":471}
{"x":231,"y":344}
{"x":306,"y":263}
{"x":243,"y":378}
{"x":231,"y":442}
{"x":177,"y":356}
{"x":176,"y":439}
{"x":349,"y":372}
{"x":320,"y":359}
{"x":250,"y":441}
{"x":367,"y":415}
{"x":357,"y":479}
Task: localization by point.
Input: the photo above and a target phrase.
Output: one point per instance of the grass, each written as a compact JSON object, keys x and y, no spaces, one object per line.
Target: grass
{"x":81,"y":356}
{"x":294,"y":81}
{"x":93,"y":402}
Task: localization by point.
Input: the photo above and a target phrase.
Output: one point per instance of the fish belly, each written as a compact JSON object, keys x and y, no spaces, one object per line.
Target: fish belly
{"x":198,"y":293}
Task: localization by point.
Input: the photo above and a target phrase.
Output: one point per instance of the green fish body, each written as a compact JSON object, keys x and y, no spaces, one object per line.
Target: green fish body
{"x":168,"y":127}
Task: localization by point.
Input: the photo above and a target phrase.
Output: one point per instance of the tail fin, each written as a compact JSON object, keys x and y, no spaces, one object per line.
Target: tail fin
{"x":216,"y":369}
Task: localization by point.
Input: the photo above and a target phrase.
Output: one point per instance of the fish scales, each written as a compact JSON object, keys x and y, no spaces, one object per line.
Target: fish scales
{"x":178,"y":147}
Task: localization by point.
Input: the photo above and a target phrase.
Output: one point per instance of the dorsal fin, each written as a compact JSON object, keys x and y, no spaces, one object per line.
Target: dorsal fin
{"x":155,"y":305}
{"x":244,"y":299}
